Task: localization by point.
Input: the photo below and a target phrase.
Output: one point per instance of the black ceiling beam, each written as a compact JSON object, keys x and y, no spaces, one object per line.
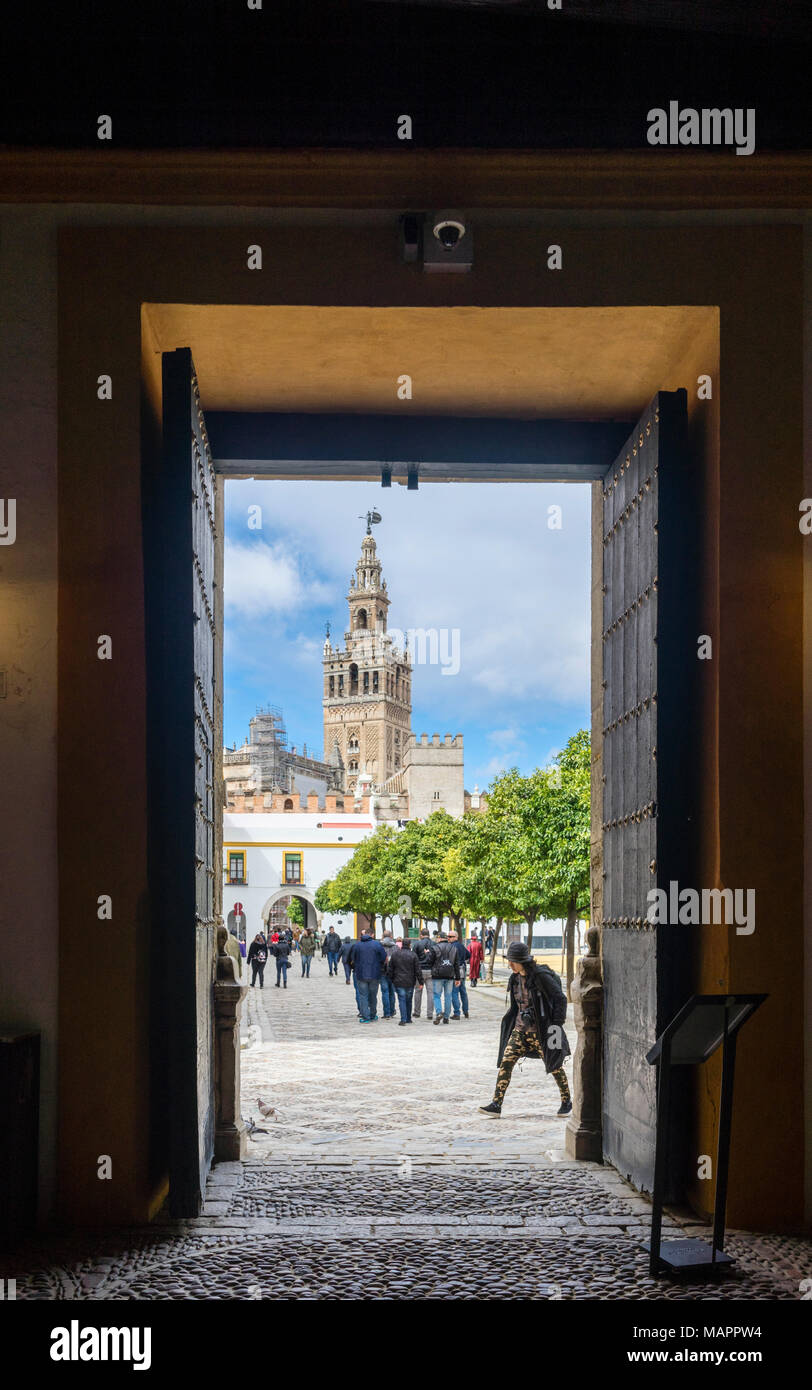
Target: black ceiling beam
{"x":316,"y":74}
{"x":445,"y":448}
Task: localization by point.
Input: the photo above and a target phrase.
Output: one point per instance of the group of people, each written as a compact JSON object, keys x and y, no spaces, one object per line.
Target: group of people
{"x":280,"y":945}
{"x":533,"y":1026}
{"x":406,"y":972}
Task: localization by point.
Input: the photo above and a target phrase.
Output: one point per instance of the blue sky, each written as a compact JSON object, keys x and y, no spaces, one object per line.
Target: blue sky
{"x":479,"y":558}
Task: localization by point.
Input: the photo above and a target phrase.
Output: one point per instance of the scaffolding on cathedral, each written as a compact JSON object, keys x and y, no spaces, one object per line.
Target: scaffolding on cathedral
{"x":273,"y":763}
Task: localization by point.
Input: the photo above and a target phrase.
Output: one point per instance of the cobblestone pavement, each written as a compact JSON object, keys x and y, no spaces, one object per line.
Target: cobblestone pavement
{"x":381,"y":1089}
{"x":380,"y":1180}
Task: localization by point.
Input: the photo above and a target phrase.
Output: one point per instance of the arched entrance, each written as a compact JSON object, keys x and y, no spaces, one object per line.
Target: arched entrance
{"x":305,"y":898}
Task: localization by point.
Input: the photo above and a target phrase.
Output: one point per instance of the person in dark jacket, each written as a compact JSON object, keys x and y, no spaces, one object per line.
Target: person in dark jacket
{"x":445,"y":973}
{"x":424,"y":951}
{"x":368,"y":960}
{"x":345,"y":952}
{"x":387,"y":991}
{"x":532,"y":1026}
{"x":403,"y":971}
{"x":257,"y":956}
{"x":331,"y":947}
{"x":459,"y":994}
{"x":281,"y":952}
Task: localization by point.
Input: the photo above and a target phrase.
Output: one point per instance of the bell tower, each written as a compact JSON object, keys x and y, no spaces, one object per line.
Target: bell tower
{"x":367,"y":682}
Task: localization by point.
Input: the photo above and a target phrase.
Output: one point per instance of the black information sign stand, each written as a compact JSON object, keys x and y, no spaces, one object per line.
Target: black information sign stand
{"x":705,"y":1023}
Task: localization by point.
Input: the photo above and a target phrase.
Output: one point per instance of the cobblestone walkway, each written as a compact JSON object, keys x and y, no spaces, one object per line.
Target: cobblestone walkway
{"x":378,"y":1089}
{"x":380,"y":1180}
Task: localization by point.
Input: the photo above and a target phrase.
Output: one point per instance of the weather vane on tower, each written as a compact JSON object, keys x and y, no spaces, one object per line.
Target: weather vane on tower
{"x":372,"y":518}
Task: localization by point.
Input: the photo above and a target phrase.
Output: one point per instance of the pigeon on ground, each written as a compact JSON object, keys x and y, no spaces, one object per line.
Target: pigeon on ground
{"x":251,"y":1129}
{"x":266,"y":1110}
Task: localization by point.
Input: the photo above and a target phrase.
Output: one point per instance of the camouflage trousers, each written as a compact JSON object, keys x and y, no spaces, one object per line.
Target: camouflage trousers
{"x":524,"y":1043}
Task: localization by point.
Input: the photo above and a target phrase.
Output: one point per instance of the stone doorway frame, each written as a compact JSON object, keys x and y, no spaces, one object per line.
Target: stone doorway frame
{"x":330,"y":440}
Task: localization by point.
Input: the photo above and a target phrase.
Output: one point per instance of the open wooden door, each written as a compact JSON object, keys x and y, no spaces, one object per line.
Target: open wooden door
{"x":650,"y":529}
{"x":184,"y":712}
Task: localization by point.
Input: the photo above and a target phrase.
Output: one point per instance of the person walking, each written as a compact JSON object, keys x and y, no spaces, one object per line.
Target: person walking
{"x":459,"y":994}
{"x":424,"y":952}
{"x":489,"y":941}
{"x":532,"y":1026}
{"x":345,"y":954}
{"x":403,"y":971}
{"x":331,"y":947}
{"x":280,"y":950}
{"x":477,"y":957}
{"x":445,"y":973}
{"x":387,"y":989}
{"x":257,"y":956}
{"x":307,"y":946}
{"x":368,"y":959}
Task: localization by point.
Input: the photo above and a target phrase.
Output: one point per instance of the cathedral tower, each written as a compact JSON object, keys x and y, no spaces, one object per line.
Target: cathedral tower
{"x":367,"y":683}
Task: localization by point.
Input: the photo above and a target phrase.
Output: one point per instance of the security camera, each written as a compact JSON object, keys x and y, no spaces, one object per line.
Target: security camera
{"x":448,"y":232}
{"x":450,"y":245}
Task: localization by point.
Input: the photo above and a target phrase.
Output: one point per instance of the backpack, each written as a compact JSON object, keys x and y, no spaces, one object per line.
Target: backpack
{"x":444,"y":964}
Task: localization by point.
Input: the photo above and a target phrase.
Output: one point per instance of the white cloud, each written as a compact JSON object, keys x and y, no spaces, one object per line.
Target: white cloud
{"x":504,"y":738}
{"x":262,"y":579}
{"x":494,"y":766}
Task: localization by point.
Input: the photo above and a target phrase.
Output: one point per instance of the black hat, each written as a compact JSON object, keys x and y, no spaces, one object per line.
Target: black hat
{"x":518,"y":950}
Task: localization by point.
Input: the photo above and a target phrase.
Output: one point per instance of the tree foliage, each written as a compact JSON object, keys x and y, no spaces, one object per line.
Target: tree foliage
{"x":526,"y":857}
{"x":360,"y":884}
{"x":295,"y":912}
{"x":323,"y":899}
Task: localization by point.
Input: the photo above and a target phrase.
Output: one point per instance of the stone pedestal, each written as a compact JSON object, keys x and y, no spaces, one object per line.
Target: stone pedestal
{"x":229,"y":1133}
{"x":584,"y":1138}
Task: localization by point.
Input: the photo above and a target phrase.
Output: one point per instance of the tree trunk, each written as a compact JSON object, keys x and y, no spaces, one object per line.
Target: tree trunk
{"x":572,"y":919}
{"x":492,"y":956}
{"x":531,"y":922}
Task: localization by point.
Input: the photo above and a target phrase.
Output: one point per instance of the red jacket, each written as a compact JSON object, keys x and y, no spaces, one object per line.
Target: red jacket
{"x":477,"y":955}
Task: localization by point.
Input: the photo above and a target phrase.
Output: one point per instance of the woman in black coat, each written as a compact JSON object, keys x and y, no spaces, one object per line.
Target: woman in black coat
{"x":257,"y":957}
{"x":532,"y":1026}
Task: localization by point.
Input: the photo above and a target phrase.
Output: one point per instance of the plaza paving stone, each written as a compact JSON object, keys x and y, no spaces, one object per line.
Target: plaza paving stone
{"x":378,"y":1088}
{"x":378,"y":1179}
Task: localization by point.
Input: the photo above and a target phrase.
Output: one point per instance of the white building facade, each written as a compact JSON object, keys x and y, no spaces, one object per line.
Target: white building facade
{"x":270,"y":857}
